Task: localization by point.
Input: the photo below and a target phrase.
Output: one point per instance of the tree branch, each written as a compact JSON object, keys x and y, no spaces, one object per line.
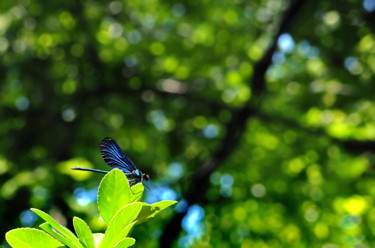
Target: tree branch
{"x":234,"y":130}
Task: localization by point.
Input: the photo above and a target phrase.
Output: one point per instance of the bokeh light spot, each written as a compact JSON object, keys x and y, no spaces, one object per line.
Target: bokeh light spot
{"x":175,"y":170}
{"x":258,"y":190}
{"x":211,"y":131}
{"x":331,"y":18}
{"x":355,"y":204}
{"x":85,"y":197}
{"x":22,"y":103}
{"x":369,"y":5}
{"x":285,"y":43}
{"x":28,"y":218}
{"x":157,"y":48}
{"x":68,"y":114}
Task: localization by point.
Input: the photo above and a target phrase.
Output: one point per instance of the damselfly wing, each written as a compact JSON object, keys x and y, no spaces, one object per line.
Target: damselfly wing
{"x":116,"y":159}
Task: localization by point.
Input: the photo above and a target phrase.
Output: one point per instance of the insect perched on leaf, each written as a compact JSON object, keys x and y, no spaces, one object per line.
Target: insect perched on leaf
{"x":116,"y":159}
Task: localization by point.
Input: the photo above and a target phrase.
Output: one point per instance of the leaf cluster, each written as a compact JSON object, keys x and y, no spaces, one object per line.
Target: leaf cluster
{"x":119,"y":207}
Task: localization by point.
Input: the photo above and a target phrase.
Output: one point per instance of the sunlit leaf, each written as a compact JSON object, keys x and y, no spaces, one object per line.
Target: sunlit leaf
{"x":127,"y":242}
{"x":114,"y":193}
{"x":98,"y":238}
{"x":48,"y":229}
{"x":31,"y":238}
{"x":83,"y":232}
{"x":61,"y":229}
{"x":149,"y":211}
{"x":121,"y":224}
{"x":136,"y":192}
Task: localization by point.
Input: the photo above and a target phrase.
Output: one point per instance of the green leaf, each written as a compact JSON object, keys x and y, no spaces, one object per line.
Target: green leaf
{"x":98,"y":237}
{"x":114,"y":193}
{"x":83,"y":232}
{"x":136,"y":192}
{"x":149,"y":211}
{"x":121,"y":224}
{"x":126,"y":242}
{"x":48,"y":229}
{"x":61,"y":229}
{"x":31,"y":238}
{"x":107,"y":242}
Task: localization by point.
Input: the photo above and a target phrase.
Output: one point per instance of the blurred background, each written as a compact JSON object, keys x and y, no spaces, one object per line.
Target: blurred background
{"x":257,"y":116}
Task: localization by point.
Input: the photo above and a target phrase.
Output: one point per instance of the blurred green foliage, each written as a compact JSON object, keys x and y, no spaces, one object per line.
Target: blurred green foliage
{"x":163,"y":78}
